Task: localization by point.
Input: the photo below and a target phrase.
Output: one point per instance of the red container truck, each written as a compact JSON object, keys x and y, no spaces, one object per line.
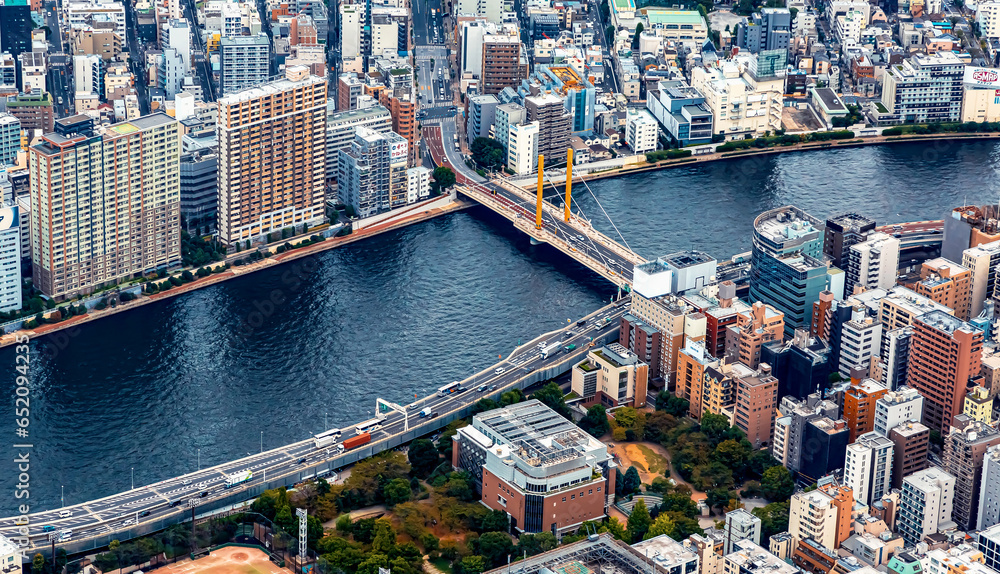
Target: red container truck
{"x":356,"y":441}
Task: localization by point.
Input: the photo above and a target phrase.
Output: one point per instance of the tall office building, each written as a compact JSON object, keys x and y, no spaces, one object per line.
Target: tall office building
{"x":200,"y":190}
{"x":868,"y":467}
{"x":895,"y":356}
{"x":553,"y":126}
{"x":944,"y":353}
{"x":106,"y":206}
{"x":858,"y":343}
{"x":785,"y":269}
{"x":481,"y":112}
{"x":272,"y":156}
{"x":245,"y":62}
{"x":373,"y":172}
{"x":15,"y":27}
{"x":964,"y":450}
{"x":769,"y":29}
{"x":842,"y":232}
{"x":860,"y":405}
{"x":925,"y":505}
{"x":756,"y":399}
{"x":989,"y":490}
{"x":754,"y":328}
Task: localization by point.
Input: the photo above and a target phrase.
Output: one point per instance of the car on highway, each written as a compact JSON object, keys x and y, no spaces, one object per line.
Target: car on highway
{"x":65,"y":535}
{"x":203,"y":494}
{"x":498,"y":370}
{"x":65,"y":514}
{"x":129,"y":522}
{"x":481,"y":389}
{"x":493,"y":387}
{"x":186,"y":481}
{"x":301,"y":460}
{"x":144,"y":513}
{"x":48,"y":528}
{"x":434,"y":415}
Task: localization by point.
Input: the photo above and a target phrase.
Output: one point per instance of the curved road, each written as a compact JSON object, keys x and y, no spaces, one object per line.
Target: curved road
{"x":171,"y":500}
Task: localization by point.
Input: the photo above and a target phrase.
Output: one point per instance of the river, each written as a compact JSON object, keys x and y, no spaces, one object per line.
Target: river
{"x":289,"y":349}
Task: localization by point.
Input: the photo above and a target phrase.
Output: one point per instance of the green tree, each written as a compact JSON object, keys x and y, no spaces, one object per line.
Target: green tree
{"x":596,"y":421}
{"x":511,"y":397}
{"x":671,"y":404}
{"x":681,"y":503}
{"x":734,"y":454}
{"x":397,"y":490}
{"x":488,"y":153}
{"x":662,"y":525}
{"x":552,"y":396}
{"x":717,"y":498}
{"x":385,"y":537}
{"x":494,"y":547}
{"x":635,"y":37}
{"x":473,"y":565}
{"x":609,"y":34}
{"x":372,"y":563}
{"x":423,"y":457}
{"x":496,"y":521}
{"x":777,"y":484}
{"x":38,"y":564}
{"x":443,"y":178}
{"x":638,"y":522}
{"x":616,"y":528}
{"x":773,"y":518}
{"x":628,"y":482}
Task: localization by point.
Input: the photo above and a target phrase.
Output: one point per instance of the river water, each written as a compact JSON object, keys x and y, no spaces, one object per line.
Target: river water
{"x":289,"y":349}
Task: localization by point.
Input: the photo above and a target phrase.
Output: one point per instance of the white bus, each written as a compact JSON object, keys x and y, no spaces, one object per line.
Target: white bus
{"x":327,"y":438}
{"x":238,"y":477}
{"x":369,"y":425}
{"x":449,"y":389}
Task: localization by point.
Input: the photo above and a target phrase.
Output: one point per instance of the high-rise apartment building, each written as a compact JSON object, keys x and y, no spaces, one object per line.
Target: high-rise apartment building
{"x":200,"y":190}
{"x":894,"y":408}
{"x":982,"y":261}
{"x":522,"y":147}
{"x":340,"y":128}
{"x":964,"y":450}
{"x":897,"y":307}
{"x":785,"y":269}
{"x":272,"y":156}
{"x":944,"y":354}
{"x":10,"y":139}
{"x":910,"y":442}
{"x":925,"y":505}
{"x":860,"y":405}
{"x":859,"y":342}
{"x":675,"y":320}
{"x":842,"y":232}
{"x":245,"y":62}
{"x":612,"y":376}
{"x":372,"y":176}
{"x":978,"y":405}
{"x":482,"y":109}
{"x":505,"y":62}
{"x":740,"y":525}
{"x":793,"y":417}
{"x":868,"y":467}
{"x":553,"y":126}
{"x":872,"y":263}
{"x":756,"y":399}
{"x":755,"y":327}
{"x":349,"y":89}
{"x":947,"y":283}
{"x":925,"y":88}
{"x":802,"y":364}
{"x":642,"y":340}
{"x":692,"y":361}
{"x":823,"y":514}
{"x":895,"y":356}
{"x":10,"y":258}
{"x":105,"y":206}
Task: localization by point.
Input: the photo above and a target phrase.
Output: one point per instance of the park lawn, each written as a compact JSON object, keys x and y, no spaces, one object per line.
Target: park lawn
{"x":442,"y":564}
{"x":655,"y":463}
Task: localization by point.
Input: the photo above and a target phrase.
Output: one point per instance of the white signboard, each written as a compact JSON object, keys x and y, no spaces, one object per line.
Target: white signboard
{"x":8,"y":218}
{"x":398,"y":150}
{"x":982,"y":77}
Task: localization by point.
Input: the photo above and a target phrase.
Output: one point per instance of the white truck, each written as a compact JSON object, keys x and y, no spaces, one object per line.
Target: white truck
{"x":550,"y":350}
{"x":238,"y":477}
{"x":425,"y":413}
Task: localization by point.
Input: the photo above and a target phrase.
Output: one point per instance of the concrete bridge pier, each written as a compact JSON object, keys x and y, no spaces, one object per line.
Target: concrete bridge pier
{"x":536,"y":241}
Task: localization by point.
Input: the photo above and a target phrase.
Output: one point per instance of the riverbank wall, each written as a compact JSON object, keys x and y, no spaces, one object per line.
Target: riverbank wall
{"x":15,"y":333}
{"x":938,"y":141}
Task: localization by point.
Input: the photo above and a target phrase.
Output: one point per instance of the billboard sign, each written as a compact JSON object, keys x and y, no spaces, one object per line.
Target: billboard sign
{"x":982,"y":77}
{"x":8,"y":218}
{"x":397,"y":150}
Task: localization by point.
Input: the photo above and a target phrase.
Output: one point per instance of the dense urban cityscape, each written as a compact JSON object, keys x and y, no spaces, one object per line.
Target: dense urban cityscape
{"x":204,"y":200}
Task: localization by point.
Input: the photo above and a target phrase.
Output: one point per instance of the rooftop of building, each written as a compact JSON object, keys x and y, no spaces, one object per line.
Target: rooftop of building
{"x":899,"y":296}
{"x":665,"y":551}
{"x":872,"y":440}
{"x":670,"y":16}
{"x":828,"y":425}
{"x":970,"y":432}
{"x":909,"y":429}
{"x":617,"y":355}
{"x":538,"y":435}
{"x":929,"y":479}
{"x":595,"y":553}
{"x":685,"y":259}
{"x":787,"y":224}
{"x":869,"y":386}
{"x":269,"y":89}
{"x":946,"y":323}
{"x":752,"y":558}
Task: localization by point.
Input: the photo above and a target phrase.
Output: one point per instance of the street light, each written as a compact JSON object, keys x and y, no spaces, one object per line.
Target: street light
{"x":261,"y":442}
{"x":199,"y":459}
{"x":133,"y":478}
{"x":62,"y":496}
